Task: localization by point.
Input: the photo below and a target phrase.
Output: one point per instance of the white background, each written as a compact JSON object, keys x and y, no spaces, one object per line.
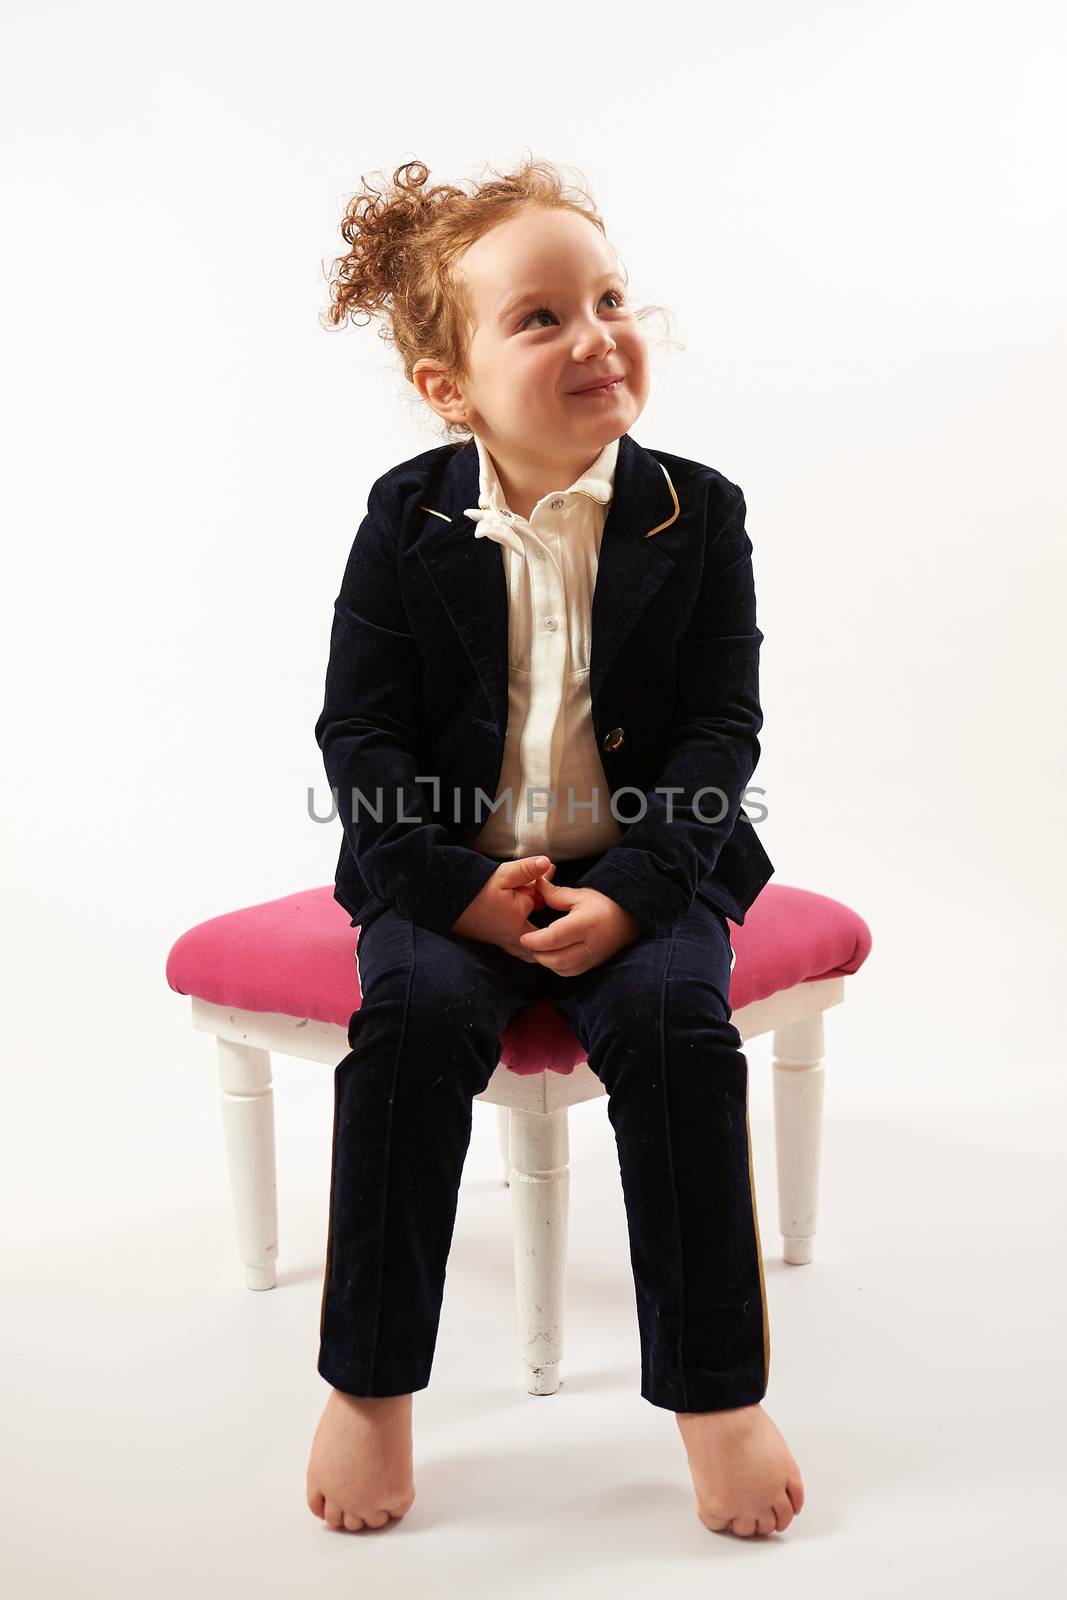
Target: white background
{"x":854,"y":215}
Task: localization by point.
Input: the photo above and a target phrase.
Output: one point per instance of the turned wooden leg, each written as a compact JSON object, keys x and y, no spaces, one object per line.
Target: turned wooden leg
{"x":248,"y":1126}
{"x":798,"y":1097}
{"x":503,"y":1128}
{"x":540,"y":1190}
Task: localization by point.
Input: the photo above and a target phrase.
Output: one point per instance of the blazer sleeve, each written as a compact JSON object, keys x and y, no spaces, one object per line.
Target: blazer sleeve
{"x":367,"y":734}
{"x":674,"y":842}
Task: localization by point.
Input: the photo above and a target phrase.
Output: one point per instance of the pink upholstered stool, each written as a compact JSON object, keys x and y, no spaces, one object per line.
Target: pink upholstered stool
{"x":282,"y":976}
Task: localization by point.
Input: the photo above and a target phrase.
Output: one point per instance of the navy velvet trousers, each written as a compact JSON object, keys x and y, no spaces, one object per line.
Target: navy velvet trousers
{"x":654,"y":1020}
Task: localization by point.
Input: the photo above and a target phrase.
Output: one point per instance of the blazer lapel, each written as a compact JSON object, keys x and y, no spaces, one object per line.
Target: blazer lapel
{"x":470,"y":578}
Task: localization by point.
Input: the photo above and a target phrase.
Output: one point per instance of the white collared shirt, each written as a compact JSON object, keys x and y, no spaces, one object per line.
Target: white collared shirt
{"x":551,"y":564}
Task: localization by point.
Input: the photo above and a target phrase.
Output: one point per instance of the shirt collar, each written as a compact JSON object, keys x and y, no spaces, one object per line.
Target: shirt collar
{"x":598,"y":482}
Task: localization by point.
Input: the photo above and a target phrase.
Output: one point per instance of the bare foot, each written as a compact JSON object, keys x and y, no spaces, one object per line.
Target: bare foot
{"x":745,"y":1477}
{"x":360,"y":1472}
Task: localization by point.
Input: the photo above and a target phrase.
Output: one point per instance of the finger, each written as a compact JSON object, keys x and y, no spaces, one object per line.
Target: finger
{"x":513,"y":873}
{"x":540,"y":884}
{"x":564,"y":965}
{"x":573,"y":950}
{"x":550,"y":938}
{"x":516,"y":949}
{"x":558,"y":896}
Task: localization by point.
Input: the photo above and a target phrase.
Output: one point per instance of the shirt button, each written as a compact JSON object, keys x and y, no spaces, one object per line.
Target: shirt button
{"x":556,"y":503}
{"x":540,"y":554}
{"x":614,"y":739}
{"x":551,"y":623}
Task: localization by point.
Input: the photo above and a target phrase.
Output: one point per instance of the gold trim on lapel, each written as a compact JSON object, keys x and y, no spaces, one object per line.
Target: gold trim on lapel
{"x":677,"y":509}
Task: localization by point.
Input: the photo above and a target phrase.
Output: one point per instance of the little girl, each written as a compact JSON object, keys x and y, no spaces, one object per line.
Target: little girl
{"x":537,"y":606}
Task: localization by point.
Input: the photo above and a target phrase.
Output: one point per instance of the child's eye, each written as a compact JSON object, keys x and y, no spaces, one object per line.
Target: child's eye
{"x":616,"y":294}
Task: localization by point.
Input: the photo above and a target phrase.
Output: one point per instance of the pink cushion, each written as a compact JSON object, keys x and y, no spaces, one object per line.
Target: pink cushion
{"x":296,"y":957}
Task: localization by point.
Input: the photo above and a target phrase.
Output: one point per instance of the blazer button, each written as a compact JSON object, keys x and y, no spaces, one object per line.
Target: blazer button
{"x":614,"y":739}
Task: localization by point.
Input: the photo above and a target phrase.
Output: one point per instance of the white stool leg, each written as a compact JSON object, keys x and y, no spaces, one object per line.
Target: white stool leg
{"x":798,"y":1102}
{"x":248,"y":1127}
{"x":540,"y":1191}
{"x":503,"y":1128}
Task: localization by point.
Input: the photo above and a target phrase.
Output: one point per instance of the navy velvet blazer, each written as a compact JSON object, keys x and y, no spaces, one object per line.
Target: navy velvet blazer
{"x":417,"y":690}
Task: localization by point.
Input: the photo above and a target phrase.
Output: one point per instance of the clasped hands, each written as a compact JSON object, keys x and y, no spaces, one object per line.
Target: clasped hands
{"x":594,"y":928}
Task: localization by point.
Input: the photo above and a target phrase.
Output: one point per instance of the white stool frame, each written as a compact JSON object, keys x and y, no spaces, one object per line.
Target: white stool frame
{"x":532,"y":1119}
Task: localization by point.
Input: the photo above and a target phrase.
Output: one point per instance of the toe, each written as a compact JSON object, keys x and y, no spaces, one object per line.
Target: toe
{"x":795,"y":1491}
{"x":378,"y":1520}
{"x":316,"y":1502}
{"x":745,"y":1527}
{"x":766,"y":1523}
{"x":353,"y":1522}
{"x":334,"y":1515}
{"x":783,"y":1512}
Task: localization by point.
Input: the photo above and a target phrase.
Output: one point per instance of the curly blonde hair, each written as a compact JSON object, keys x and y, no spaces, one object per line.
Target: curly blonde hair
{"x":404,"y":242}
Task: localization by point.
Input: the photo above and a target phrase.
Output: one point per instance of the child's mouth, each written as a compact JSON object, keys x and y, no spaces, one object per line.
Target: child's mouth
{"x":605,"y":388}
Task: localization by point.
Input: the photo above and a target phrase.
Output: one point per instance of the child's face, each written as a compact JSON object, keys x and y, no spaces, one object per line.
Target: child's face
{"x":527,"y":359}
